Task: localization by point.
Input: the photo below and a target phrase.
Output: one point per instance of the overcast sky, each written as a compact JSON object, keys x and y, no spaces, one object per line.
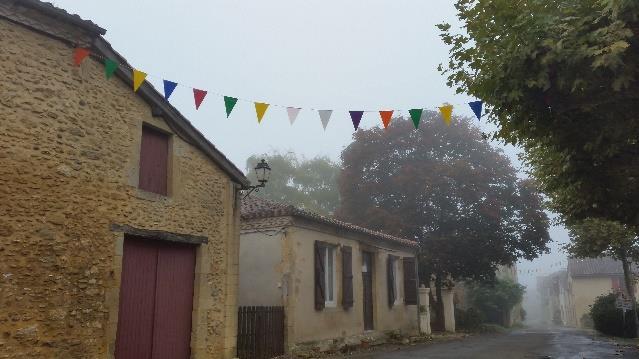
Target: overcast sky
{"x":329,"y":54}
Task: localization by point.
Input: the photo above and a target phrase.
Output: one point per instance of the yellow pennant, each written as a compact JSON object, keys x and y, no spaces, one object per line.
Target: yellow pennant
{"x":260,"y":110}
{"x":447,"y":113}
{"x":138,"y":79}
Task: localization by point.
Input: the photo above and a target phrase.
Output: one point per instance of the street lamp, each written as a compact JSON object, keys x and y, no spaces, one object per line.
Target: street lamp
{"x":262,"y":173}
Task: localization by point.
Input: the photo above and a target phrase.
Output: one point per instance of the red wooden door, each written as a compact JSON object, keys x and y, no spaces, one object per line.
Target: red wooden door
{"x":156,"y":300}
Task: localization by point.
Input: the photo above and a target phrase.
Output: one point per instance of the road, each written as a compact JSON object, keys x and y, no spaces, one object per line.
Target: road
{"x":527,"y":343}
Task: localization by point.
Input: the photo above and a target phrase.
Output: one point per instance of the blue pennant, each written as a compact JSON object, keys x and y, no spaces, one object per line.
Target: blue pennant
{"x":169,"y":86}
{"x":476,"y":106}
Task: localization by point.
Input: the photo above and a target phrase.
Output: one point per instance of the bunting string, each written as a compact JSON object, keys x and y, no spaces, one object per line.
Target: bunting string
{"x":199,"y":95}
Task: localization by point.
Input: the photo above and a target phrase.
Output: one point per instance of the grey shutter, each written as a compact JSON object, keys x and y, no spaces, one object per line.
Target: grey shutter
{"x":410,"y":281}
{"x":347,"y":277}
{"x":320,"y":290}
{"x":391,"y":281}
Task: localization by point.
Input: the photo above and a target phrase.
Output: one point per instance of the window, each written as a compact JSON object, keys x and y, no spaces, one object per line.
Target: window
{"x":398,"y":298}
{"x":329,"y":275}
{"x":154,"y":152}
{"x":393,"y":281}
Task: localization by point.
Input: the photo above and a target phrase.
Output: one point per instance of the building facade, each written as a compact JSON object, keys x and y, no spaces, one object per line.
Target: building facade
{"x":119,"y":221}
{"x":567,"y":295}
{"x":336,"y":281}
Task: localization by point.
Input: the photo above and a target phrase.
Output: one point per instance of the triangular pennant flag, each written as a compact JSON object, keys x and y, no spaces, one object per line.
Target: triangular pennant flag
{"x":386,"y":117}
{"x":260,"y":110}
{"x":229,"y":103}
{"x":325,"y":116}
{"x":199,"y":96}
{"x":356,"y":117}
{"x":138,"y":79}
{"x":476,"y":106}
{"x":79,"y":55}
{"x":292,"y":113}
{"x":169,"y":86}
{"x":447,"y":113}
{"x":109,"y":67}
{"x":416,"y":116}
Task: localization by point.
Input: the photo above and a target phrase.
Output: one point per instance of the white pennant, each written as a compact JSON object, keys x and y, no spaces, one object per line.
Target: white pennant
{"x":292,"y":113}
{"x":325,"y":116}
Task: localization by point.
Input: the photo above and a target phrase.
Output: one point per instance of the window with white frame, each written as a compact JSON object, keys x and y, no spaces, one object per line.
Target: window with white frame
{"x":329,"y":275}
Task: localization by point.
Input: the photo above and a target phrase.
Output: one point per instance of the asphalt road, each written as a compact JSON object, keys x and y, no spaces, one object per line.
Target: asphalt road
{"x":528,"y":343}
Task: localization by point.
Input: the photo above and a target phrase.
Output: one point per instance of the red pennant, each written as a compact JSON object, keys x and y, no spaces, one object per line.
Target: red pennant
{"x":386,"y":117}
{"x":79,"y":55}
{"x":199,"y":97}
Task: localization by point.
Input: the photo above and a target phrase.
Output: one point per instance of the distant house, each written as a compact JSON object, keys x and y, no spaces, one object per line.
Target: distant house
{"x":568,"y":295}
{"x":119,"y":221}
{"x":336,"y":281}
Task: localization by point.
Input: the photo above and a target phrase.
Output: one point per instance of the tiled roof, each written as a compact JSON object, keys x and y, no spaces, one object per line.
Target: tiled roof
{"x":62,"y":14}
{"x":257,"y":208}
{"x":592,"y":267}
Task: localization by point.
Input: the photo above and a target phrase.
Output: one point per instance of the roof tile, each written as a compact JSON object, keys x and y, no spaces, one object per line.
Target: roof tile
{"x":258,"y":208}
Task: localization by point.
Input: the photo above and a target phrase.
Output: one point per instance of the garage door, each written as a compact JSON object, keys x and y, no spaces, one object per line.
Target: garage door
{"x":156,"y":300}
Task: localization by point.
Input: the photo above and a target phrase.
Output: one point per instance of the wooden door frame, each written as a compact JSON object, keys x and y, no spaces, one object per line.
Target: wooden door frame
{"x":112,"y":293}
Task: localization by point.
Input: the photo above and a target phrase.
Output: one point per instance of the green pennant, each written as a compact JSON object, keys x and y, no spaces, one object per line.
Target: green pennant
{"x":416,"y":116}
{"x":109,"y":67}
{"x":229,"y":103}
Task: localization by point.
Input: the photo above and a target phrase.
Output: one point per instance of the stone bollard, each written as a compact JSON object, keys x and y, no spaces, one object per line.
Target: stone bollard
{"x":449,"y":310}
{"x":424,"y":311}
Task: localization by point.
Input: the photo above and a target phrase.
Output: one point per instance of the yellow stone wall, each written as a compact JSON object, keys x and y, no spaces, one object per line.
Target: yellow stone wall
{"x":69,"y":152}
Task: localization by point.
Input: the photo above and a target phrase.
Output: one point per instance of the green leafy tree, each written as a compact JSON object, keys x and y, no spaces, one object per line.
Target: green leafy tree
{"x":308,"y":183}
{"x":446,"y":188}
{"x":495,"y":300}
{"x":596,"y":237}
{"x":559,"y":77}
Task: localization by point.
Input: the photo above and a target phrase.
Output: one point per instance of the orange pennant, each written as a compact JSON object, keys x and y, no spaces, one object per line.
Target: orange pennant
{"x":79,"y":55}
{"x":386,"y":117}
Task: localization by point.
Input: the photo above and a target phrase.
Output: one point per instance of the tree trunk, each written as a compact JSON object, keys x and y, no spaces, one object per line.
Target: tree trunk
{"x":630,"y":288}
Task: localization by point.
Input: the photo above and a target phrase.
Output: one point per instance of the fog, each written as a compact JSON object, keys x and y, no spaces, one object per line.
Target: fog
{"x":340,"y":55}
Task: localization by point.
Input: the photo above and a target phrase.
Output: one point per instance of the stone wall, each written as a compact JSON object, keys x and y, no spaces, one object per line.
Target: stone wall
{"x":69,"y":152}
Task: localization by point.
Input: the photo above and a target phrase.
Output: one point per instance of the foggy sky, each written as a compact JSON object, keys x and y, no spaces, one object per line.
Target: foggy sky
{"x":330,"y":54}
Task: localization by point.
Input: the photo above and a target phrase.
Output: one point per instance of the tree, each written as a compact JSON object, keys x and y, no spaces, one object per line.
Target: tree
{"x":596,"y":237}
{"x":447,"y":189}
{"x":560,"y":79}
{"x":495,"y":300}
{"x":308,"y":183}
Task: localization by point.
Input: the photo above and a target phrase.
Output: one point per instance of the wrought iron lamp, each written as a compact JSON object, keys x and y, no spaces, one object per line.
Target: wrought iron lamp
{"x":262,"y":173}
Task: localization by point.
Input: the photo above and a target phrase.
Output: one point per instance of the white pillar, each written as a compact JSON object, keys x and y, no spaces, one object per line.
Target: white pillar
{"x":424,"y":310}
{"x":449,"y":310}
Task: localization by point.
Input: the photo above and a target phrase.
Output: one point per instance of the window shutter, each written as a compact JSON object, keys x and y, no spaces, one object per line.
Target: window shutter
{"x":154,"y":152}
{"x":347,"y":277}
{"x":320,"y":291}
{"x":410,"y":281}
{"x":391,"y":281}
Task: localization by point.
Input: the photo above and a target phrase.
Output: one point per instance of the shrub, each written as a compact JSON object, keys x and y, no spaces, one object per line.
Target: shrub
{"x":609,"y":320}
{"x":495,"y":299}
{"x":470,"y":319}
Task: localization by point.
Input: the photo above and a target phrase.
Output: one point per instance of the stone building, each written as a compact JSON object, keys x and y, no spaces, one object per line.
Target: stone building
{"x":339,"y":284}
{"x":119,"y":221}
